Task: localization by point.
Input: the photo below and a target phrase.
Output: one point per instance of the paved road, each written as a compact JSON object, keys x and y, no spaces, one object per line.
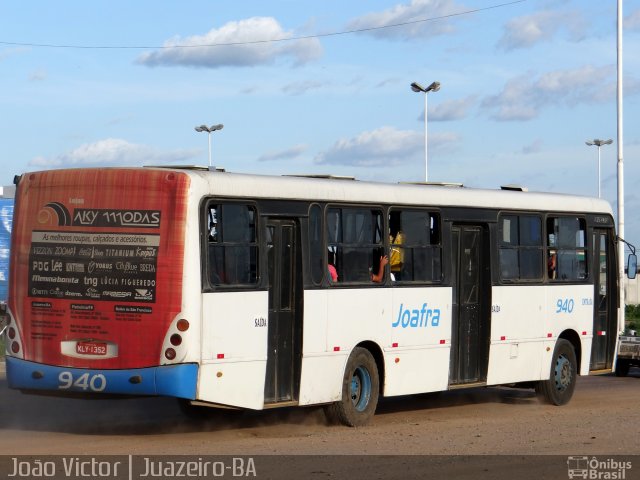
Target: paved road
{"x":602,"y":419}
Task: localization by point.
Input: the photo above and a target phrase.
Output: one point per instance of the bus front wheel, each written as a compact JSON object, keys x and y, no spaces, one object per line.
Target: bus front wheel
{"x":558,"y":389}
{"x":360,"y":390}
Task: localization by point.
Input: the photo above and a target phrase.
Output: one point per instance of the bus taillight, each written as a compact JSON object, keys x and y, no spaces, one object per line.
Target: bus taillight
{"x":9,"y":327}
{"x":176,"y":342}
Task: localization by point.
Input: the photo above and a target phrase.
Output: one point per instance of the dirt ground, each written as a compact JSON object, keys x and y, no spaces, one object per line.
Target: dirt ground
{"x":602,"y":418}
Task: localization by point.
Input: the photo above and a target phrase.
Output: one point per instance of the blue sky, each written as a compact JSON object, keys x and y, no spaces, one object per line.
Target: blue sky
{"x":523,"y":86}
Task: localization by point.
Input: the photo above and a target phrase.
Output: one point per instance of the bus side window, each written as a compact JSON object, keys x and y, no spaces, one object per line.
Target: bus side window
{"x":354,"y":240}
{"x":566,"y":238}
{"x":232,"y":246}
{"x":213,"y":223}
{"x":316,"y":245}
{"x":520,"y":247}
{"x":416,"y":250}
{"x":215,"y":261}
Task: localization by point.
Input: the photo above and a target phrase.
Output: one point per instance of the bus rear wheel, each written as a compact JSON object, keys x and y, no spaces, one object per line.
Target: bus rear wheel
{"x":360,"y":391}
{"x":558,"y":389}
{"x":622,"y":367}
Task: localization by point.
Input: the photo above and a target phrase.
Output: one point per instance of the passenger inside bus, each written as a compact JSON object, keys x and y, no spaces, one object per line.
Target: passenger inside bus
{"x":396,"y":258}
{"x":552,"y":265}
{"x":379,"y":277}
{"x":333,"y":273}
{"x":375,"y":277}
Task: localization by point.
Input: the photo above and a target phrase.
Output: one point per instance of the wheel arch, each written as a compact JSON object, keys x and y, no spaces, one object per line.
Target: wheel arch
{"x":378,"y":356}
{"x":574,"y":339}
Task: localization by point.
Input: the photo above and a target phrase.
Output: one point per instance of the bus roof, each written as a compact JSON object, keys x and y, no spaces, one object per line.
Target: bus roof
{"x":328,"y":188}
{"x":339,"y":189}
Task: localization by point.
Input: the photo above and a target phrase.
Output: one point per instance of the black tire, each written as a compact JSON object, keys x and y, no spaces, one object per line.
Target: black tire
{"x":622,"y":367}
{"x":360,"y":391}
{"x":558,"y":389}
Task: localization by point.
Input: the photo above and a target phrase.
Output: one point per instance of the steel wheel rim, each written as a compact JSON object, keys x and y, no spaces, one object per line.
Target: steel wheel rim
{"x":360,"y":388}
{"x":563,"y":374}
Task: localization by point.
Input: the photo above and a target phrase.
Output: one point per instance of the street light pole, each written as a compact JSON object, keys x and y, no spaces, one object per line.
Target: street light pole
{"x":426,"y":143}
{"x":434,"y":87}
{"x":209,"y":130}
{"x":620,"y":144}
{"x":599,"y":143}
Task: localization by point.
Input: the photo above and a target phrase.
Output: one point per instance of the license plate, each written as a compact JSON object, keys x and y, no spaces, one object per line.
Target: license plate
{"x":91,"y":348}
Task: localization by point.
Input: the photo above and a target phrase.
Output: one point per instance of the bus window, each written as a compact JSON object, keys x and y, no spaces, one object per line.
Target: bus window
{"x":416,"y":251}
{"x":566,"y":239}
{"x":520,"y":247}
{"x":232,"y":244}
{"x":355,"y":242}
{"x":316,"y":245}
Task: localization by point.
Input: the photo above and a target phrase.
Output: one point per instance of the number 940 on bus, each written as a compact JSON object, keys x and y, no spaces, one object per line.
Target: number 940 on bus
{"x":84,"y":382}
{"x":565,"y":305}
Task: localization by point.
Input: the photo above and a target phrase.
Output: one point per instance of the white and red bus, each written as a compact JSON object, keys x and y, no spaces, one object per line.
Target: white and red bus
{"x":254,"y":292}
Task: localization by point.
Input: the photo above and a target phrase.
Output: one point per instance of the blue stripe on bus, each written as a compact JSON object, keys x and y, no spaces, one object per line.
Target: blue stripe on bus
{"x":167,"y":380}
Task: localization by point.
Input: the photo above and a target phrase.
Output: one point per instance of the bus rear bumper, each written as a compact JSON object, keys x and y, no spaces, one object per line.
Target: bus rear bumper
{"x":168,"y":380}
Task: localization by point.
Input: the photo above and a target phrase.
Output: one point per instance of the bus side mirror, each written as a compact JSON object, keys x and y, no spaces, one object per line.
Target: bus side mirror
{"x":632,"y":266}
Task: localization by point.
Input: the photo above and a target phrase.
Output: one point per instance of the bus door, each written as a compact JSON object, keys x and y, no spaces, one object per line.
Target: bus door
{"x":605,"y":322}
{"x":284,"y":350}
{"x":471,"y":305}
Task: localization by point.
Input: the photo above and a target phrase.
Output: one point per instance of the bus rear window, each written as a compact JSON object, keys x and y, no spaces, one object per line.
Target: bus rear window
{"x":232,"y":246}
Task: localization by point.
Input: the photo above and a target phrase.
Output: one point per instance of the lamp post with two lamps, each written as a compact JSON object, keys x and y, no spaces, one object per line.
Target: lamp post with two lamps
{"x":434,"y":87}
{"x":209,"y":130}
{"x":599,"y":143}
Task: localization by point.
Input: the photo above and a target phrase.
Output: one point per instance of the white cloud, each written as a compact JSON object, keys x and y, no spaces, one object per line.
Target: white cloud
{"x":298,"y":88}
{"x":523,"y":97}
{"x":8,"y":52}
{"x":631,"y":85}
{"x":450,"y":110}
{"x":534,"y":147}
{"x":382,"y":147}
{"x":235,"y":49}
{"x":120,"y":120}
{"x":528,"y":30}
{"x":285,"y":154}
{"x":114,"y":152}
{"x":390,"y":81}
{"x":250,"y":90}
{"x":401,"y":13}
{"x":38,"y":75}
{"x":632,"y":21}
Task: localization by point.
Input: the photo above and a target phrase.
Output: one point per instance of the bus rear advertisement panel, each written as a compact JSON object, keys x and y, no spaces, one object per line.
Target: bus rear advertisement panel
{"x":97,"y":270}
